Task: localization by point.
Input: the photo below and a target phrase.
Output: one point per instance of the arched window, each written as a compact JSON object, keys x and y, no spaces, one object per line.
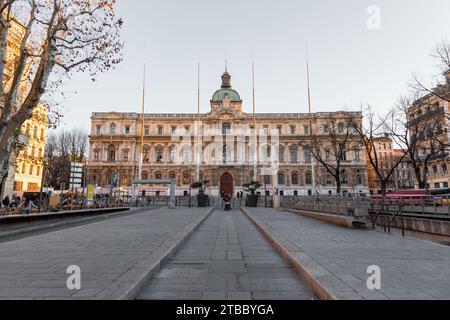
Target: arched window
{"x":35,"y":132}
{"x":146,"y":153}
{"x":344,"y":178}
{"x":307,"y":155}
{"x":308,"y":178}
{"x":159,"y":154}
{"x":340,"y":127}
{"x":226,"y":153}
{"x":42,"y":133}
{"x":186,"y":154}
{"x":112,"y":128}
{"x":267,"y":152}
{"x":144,"y":175}
{"x":226,"y":128}
{"x":173,"y":153}
{"x":281,"y":154}
{"x":31,"y":170}
{"x":33,"y":151}
{"x":294,"y":179}
{"x":294,"y":154}
{"x":158,"y":175}
{"x":172,"y":175}
{"x":281,"y":179}
{"x":27,"y":132}
{"x":111,"y":153}
{"x":41,"y":153}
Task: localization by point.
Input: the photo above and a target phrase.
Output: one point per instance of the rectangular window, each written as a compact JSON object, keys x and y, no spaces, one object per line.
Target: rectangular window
{"x":127,"y":129}
{"x":279,"y":130}
{"x":307,"y":155}
{"x":266,"y":130}
{"x":99,"y":129}
{"x":186,"y":130}
{"x":146,"y":130}
{"x":437,"y":185}
{"x":160,"y":131}
{"x":292,"y":129}
{"x":445,"y":185}
{"x":174,"y":130}
{"x":306,"y":129}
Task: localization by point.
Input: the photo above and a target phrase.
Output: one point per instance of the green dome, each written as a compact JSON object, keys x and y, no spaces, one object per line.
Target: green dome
{"x":226,"y":91}
{"x":230,"y":93}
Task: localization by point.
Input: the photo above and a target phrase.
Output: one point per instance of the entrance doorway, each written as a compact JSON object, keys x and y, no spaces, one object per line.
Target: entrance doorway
{"x":226,"y":184}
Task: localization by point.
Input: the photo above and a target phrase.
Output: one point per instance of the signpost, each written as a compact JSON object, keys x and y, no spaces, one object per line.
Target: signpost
{"x":76,"y":175}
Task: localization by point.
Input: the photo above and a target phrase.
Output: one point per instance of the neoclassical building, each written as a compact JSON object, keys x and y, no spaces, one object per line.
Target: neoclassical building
{"x":226,"y":158}
{"x":27,"y":161}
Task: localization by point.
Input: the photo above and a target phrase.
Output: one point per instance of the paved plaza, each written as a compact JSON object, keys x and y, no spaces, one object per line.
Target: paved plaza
{"x":201,"y":253}
{"x":112,"y":255}
{"x":410,"y":268}
{"x":227,"y":258}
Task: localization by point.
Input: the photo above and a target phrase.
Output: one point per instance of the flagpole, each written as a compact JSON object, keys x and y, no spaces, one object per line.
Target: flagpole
{"x":255,"y":165}
{"x":313,"y":173}
{"x":198,"y":146}
{"x":142,"y":125}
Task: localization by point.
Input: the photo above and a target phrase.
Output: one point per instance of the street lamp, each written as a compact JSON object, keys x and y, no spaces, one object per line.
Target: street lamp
{"x":44,"y":178}
{"x":190,"y":183}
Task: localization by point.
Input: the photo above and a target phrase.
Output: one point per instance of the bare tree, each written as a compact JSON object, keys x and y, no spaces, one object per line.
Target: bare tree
{"x":441,"y":54}
{"x":422,"y":137}
{"x":59,"y":37}
{"x":370,"y":135}
{"x":330,"y":148}
{"x":64,"y":147}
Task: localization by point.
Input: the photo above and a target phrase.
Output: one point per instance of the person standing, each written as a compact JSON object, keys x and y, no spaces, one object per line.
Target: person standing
{"x":6,"y":202}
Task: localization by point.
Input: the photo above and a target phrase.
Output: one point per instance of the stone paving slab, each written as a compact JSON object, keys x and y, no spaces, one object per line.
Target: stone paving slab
{"x":115,"y":256}
{"x":336,"y":258}
{"x":227,"y":258}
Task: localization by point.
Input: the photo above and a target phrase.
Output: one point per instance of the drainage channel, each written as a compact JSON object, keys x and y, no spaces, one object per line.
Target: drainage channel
{"x":227,"y":258}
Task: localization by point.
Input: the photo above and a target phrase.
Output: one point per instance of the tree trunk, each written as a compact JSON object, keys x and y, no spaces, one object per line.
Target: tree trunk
{"x":338,"y":187}
{"x":383,"y":188}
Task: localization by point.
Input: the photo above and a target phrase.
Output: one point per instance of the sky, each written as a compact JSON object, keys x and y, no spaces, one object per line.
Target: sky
{"x":351,"y":62}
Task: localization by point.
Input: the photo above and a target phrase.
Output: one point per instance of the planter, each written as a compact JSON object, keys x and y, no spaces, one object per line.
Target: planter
{"x":252,"y":201}
{"x":203,"y":201}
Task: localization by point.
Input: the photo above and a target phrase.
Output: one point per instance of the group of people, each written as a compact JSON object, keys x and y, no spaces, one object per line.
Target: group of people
{"x":22,"y":204}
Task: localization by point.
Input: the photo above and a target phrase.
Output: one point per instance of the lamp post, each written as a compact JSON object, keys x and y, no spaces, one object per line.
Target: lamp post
{"x":190,"y":183}
{"x":44,"y":178}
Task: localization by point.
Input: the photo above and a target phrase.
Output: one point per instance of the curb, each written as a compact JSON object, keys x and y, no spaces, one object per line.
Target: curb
{"x":325,"y":217}
{"x":62,"y":223}
{"x":130,"y":284}
{"x":324,"y":284}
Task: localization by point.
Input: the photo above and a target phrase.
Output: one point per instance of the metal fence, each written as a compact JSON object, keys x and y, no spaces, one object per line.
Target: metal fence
{"x":339,"y":205}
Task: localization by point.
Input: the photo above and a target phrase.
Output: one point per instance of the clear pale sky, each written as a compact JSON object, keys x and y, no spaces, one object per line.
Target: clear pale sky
{"x":349,"y":63}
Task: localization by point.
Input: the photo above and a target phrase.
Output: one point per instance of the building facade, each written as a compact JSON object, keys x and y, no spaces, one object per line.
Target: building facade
{"x":220,"y":146}
{"x":26,"y":163}
{"x":388,"y":157}
{"x":29,"y":165}
{"x":429,"y":122}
